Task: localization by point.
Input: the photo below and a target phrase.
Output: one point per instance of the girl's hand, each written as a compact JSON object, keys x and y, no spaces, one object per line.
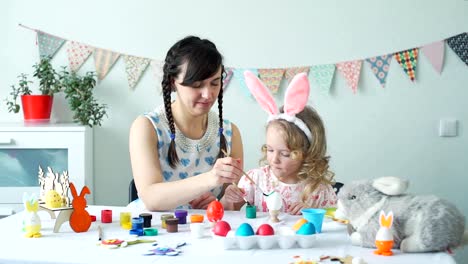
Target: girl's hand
{"x":203,"y":201}
{"x":233,"y":194}
{"x":226,"y":170}
{"x":295,"y":208}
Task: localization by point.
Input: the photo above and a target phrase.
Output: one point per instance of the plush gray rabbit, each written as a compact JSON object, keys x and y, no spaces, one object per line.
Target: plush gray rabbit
{"x":421,"y":223}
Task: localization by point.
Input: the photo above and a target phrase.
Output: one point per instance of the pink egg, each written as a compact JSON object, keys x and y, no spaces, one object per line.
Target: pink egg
{"x":265,"y":230}
{"x":221,"y":228}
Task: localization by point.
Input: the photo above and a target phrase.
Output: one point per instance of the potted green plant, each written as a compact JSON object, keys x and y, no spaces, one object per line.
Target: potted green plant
{"x":79,"y":93}
{"x":36,"y":107}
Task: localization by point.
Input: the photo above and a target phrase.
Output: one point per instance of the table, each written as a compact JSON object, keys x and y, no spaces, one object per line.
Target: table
{"x":67,"y":246}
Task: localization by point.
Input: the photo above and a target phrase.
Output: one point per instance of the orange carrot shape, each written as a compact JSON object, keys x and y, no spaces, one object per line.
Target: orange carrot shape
{"x":384,"y":237}
{"x":80,"y":220}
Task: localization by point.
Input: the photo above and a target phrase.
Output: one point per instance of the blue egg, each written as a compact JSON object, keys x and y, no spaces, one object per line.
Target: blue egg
{"x":306,"y":229}
{"x":245,"y":230}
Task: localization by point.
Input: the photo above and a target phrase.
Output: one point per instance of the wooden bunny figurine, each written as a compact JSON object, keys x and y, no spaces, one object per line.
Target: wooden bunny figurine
{"x":80,"y":220}
{"x":384,"y":237}
{"x":32,"y":222}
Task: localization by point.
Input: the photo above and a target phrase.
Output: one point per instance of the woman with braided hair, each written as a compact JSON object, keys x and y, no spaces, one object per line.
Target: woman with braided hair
{"x":177,"y":151}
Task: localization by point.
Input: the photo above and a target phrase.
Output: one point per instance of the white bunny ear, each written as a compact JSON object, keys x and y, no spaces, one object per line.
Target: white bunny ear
{"x":297,"y":94}
{"x":261,"y":93}
{"x":390,"y":185}
{"x":25,"y":197}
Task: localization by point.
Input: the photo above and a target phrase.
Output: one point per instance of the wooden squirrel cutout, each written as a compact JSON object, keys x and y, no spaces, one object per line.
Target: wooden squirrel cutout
{"x":80,"y":220}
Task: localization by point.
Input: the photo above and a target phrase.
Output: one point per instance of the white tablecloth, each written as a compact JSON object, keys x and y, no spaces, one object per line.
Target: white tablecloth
{"x":70,"y":247}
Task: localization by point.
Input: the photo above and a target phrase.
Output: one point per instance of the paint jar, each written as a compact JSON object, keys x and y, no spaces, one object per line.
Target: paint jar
{"x":196,"y":218}
{"x":137,"y":223}
{"x":106,"y":216}
{"x":125,"y":220}
{"x":146,"y":219}
{"x":164,"y":217}
{"x":251,"y":211}
{"x":197,"y":230}
{"x":172,"y":225}
{"x":182,"y":216}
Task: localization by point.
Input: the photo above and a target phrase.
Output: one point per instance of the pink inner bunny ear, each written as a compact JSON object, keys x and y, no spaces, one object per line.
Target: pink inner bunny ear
{"x":261,"y":93}
{"x":297,"y":94}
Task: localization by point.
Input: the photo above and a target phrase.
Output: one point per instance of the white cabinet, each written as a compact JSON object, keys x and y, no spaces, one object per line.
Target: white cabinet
{"x":24,"y":147}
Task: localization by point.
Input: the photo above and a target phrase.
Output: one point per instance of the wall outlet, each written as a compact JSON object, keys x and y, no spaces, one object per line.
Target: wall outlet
{"x":448,"y":128}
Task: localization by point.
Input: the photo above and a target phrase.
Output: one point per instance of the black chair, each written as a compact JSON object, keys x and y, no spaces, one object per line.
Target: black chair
{"x":132,"y":192}
{"x":337,"y":186}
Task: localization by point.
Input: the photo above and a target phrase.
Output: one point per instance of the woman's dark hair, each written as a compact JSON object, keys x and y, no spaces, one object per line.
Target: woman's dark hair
{"x":203,"y":61}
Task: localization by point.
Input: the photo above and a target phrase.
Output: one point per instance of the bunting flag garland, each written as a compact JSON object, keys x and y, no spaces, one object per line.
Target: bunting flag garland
{"x":104,"y":60}
{"x":434,"y":52}
{"x":459,"y":44}
{"x":291,"y":72}
{"x":227,"y":78}
{"x":158,"y":73}
{"x":135,"y":66}
{"x":380,"y":66}
{"x":323,"y":75}
{"x":351,"y":71}
{"x":239,"y":74}
{"x":78,"y":53}
{"x":271,"y":78}
{"x":48,"y":44}
{"x":408,"y":60}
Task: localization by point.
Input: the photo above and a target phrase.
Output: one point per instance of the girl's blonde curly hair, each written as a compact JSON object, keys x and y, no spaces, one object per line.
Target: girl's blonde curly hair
{"x":314,"y":169}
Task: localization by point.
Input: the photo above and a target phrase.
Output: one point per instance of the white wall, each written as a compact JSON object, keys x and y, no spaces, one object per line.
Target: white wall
{"x":391,"y":131}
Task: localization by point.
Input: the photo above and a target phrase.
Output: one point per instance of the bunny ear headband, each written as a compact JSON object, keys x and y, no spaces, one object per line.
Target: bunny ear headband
{"x":295,"y":99}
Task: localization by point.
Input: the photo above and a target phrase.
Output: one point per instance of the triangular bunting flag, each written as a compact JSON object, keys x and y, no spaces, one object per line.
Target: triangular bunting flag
{"x":271,"y":78}
{"x":408,"y":59}
{"x":380,"y":66}
{"x":157,"y":71}
{"x":135,"y":66}
{"x":459,"y":44}
{"x":227,"y":78}
{"x":434,"y":52}
{"x":291,"y":72}
{"x":78,"y":53}
{"x":48,"y":44}
{"x":239,"y":74}
{"x":350,"y":71}
{"x":323,"y":75}
{"x":103,"y":60}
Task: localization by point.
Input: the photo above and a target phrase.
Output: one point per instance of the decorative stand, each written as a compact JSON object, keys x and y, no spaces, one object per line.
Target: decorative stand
{"x":63,"y":216}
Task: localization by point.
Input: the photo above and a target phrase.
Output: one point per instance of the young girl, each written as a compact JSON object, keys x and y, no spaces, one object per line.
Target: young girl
{"x":177,"y":150}
{"x":295,"y":154}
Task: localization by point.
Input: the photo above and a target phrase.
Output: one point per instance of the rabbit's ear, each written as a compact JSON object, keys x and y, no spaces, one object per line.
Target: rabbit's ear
{"x":25,"y":197}
{"x":390,"y":185}
{"x":85,"y":191}
{"x":261,"y":93}
{"x":73,"y":190}
{"x":297,"y":94}
{"x":386,"y":220}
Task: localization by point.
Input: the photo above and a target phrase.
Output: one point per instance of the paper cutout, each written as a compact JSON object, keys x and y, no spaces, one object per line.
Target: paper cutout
{"x":48,"y":44}
{"x":135,"y":66}
{"x":291,"y":72}
{"x":350,"y":71}
{"x":227,"y":78}
{"x":78,"y":53}
{"x":459,"y":44}
{"x":323,"y":76}
{"x":380,"y":66}
{"x":104,"y":60}
{"x":271,"y":78}
{"x":239,"y":74}
{"x":408,"y":59}
{"x":434,"y":52}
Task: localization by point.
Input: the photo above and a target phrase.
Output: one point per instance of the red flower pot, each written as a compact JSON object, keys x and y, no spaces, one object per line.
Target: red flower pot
{"x":36,"y":107}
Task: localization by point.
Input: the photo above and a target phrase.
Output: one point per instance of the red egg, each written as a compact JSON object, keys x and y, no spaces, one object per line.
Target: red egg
{"x":265,"y":230}
{"x":221,"y":228}
{"x":215,"y":211}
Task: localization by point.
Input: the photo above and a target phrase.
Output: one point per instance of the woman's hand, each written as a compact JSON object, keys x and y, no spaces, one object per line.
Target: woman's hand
{"x":233,"y":194}
{"x":203,"y":201}
{"x":226,"y":170}
{"x":295,"y":208}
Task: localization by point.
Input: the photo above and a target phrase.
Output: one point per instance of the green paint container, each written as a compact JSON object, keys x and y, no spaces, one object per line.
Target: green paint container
{"x":251,"y":211}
